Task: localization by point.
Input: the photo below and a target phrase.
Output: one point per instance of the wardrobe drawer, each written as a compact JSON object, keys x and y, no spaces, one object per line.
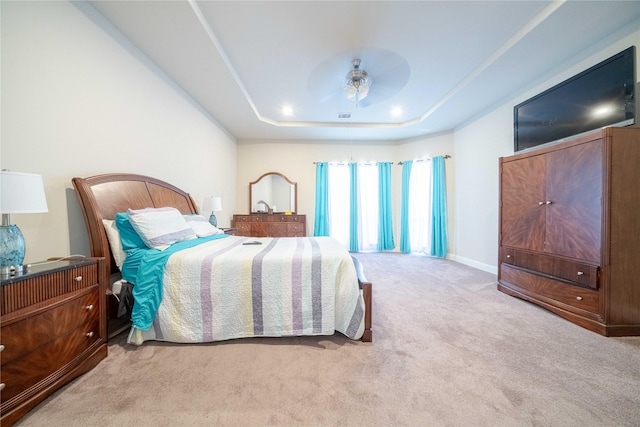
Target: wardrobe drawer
{"x":551,"y":291}
{"x":27,"y":335}
{"x":507,"y":255}
{"x":581,"y":273}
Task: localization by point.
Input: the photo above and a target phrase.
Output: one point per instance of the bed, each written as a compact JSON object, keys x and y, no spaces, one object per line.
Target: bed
{"x":222,"y":287}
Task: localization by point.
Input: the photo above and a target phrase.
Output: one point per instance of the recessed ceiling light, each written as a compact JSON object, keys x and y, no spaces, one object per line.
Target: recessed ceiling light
{"x":396,"y":111}
{"x":287,"y":110}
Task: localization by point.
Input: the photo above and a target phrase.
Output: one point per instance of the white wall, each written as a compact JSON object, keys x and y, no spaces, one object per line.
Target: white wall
{"x":78,"y":101}
{"x":478,"y":146}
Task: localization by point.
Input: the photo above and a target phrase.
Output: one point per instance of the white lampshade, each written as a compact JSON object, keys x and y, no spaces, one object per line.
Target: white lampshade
{"x":217,"y":204}
{"x":212,"y":204}
{"x":22,"y":193}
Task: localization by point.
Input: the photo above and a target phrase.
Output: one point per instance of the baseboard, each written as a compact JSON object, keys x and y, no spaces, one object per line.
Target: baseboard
{"x":472,"y":263}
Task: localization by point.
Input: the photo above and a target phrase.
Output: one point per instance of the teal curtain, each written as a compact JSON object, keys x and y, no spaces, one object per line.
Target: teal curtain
{"x":405,"y":242}
{"x":321,"y":222}
{"x":439,"y":239}
{"x":385,"y":224}
{"x":353,"y":207}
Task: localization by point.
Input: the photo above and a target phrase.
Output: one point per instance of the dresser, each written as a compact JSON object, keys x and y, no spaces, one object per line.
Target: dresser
{"x":570,"y":230}
{"x":53,"y":329}
{"x":270,"y":225}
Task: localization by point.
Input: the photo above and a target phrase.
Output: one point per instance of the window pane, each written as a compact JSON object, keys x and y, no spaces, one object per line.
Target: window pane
{"x":368,"y":206}
{"x":420,"y":207}
{"x":339,"y":203}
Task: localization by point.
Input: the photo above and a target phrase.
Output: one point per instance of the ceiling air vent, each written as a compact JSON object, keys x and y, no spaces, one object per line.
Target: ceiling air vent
{"x":344,"y":115}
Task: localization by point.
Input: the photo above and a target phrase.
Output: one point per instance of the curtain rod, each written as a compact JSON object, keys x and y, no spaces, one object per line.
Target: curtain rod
{"x":446,"y":156}
{"x":346,"y":163}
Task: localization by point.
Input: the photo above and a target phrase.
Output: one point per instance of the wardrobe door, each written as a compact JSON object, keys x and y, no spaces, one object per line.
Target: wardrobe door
{"x":574,"y":202}
{"x":522,"y":209}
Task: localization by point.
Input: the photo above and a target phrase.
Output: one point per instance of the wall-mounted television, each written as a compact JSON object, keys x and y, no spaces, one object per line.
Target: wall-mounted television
{"x":603,"y":95}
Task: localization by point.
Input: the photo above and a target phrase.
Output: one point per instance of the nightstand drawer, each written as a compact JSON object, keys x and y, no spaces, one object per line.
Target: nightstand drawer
{"x":35,"y":366}
{"x":22,"y":337}
{"x":46,"y":287}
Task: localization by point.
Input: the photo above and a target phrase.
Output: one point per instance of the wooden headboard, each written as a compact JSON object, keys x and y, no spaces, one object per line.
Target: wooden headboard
{"x":102,"y":196}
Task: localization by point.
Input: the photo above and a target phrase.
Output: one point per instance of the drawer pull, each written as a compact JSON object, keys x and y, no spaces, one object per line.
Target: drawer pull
{"x":1,"y":347}
{"x":540,"y":203}
{"x":508,"y":256}
{"x":89,"y":334}
{"x":580,"y":273}
{"x":1,"y":386}
{"x":548,"y":202}
{"x":78,"y":279}
{"x":89,"y":307}
{"x":579,"y":298}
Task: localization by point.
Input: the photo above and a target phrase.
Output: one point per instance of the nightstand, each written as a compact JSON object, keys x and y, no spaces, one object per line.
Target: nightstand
{"x":230,"y":231}
{"x":53,"y":329}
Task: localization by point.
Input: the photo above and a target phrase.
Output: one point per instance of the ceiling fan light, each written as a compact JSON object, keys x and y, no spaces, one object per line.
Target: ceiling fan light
{"x":363,"y":90}
{"x":350,"y":91}
{"x":357,"y":82}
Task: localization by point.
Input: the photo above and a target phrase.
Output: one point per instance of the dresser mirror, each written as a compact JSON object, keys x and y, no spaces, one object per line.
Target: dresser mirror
{"x":273,"y":192}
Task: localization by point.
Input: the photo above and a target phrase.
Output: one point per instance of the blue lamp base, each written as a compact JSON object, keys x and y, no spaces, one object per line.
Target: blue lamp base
{"x":12,"y":249}
{"x":213,"y":220}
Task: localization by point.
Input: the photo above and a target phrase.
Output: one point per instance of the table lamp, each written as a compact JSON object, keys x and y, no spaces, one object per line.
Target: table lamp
{"x":212,"y":204}
{"x":21,"y":193}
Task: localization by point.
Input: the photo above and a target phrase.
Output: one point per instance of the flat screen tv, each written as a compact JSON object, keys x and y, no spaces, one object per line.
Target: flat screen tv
{"x":603,"y":95}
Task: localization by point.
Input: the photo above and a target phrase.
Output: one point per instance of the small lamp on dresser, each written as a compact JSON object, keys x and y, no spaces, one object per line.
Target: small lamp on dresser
{"x":21,"y":193}
{"x":213,"y":205}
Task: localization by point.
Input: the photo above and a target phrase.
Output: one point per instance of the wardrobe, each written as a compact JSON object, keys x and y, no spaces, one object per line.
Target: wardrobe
{"x":569,"y":232}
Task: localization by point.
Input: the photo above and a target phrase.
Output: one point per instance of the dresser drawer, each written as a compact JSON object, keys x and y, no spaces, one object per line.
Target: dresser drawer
{"x":288,"y":218}
{"x":35,"y":366}
{"x":27,"y":335}
{"x":277,"y":229}
{"x":581,"y":273}
{"x":243,"y":228}
{"x":551,"y":291}
{"x":295,"y":229}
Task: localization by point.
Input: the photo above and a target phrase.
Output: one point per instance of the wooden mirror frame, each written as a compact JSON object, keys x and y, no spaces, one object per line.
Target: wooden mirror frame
{"x":294,"y":184}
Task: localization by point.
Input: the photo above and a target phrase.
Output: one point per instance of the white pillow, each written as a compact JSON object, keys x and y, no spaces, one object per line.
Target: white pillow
{"x":113,"y":235}
{"x":201,"y":226}
{"x":159,"y":228}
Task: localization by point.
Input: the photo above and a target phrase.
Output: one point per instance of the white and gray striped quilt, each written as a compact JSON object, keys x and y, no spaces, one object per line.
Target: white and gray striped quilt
{"x":226,"y":289}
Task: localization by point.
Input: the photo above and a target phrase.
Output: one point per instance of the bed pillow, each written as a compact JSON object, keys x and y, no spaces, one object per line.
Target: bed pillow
{"x":201,"y":226}
{"x":129,"y":238}
{"x":113,"y":235}
{"x":159,"y":228}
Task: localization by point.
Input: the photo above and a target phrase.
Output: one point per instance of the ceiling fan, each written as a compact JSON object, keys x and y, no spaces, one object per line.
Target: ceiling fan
{"x":386,"y":74}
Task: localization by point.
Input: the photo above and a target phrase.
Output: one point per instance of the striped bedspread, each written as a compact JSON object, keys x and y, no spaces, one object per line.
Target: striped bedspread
{"x":225,"y":289}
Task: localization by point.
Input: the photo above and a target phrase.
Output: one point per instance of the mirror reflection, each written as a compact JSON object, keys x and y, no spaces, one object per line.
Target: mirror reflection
{"x":273,"y":192}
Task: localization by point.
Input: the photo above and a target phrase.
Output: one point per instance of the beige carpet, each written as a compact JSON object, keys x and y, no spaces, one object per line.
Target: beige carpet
{"x":448,"y":350}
